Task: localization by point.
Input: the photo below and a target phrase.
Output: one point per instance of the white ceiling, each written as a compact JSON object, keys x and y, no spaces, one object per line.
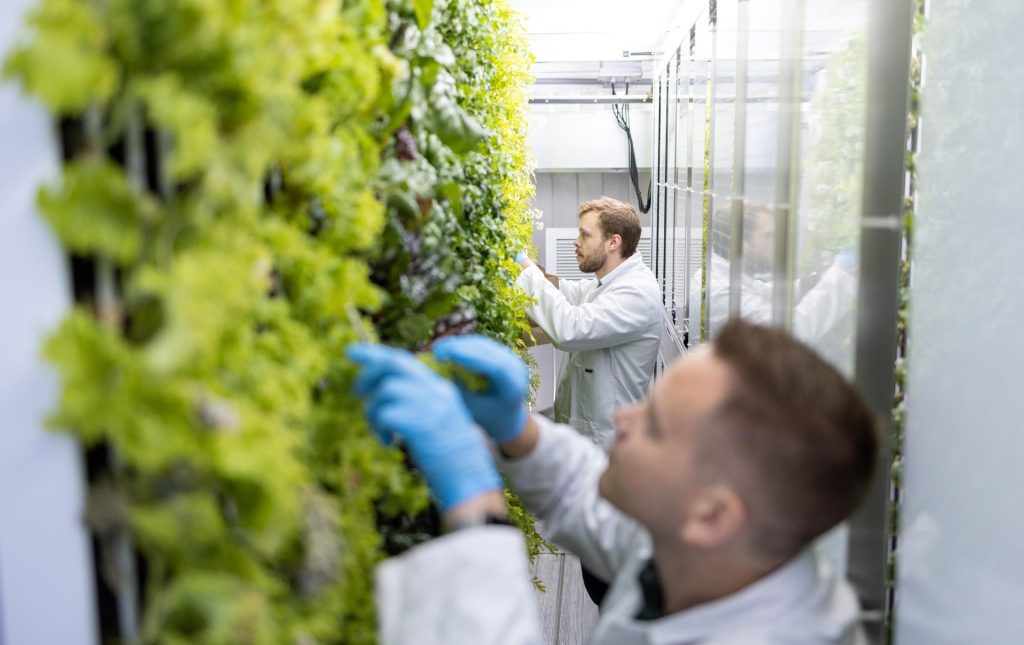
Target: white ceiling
{"x":583,"y":41}
{"x":587,"y":38}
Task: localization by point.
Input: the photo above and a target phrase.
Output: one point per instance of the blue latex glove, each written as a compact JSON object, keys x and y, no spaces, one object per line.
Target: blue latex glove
{"x":847,"y":260}
{"x":521,"y":257}
{"x":501,"y":409}
{"x":406,"y":399}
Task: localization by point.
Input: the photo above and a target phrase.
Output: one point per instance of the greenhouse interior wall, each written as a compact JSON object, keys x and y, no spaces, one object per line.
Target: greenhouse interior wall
{"x":774,"y":135}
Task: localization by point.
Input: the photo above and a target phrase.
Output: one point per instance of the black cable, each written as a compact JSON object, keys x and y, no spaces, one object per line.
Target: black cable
{"x":622,"y":118}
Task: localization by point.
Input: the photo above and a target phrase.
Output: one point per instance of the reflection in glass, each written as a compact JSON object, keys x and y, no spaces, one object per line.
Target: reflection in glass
{"x":698,"y":123}
{"x":723,"y":120}
{"x":822,"y":311}
{"x":831,"y":160}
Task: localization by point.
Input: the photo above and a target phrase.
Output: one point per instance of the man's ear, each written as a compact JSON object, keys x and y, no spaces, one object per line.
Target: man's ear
{"x":616,"y":242}
{"x":716,"y":517}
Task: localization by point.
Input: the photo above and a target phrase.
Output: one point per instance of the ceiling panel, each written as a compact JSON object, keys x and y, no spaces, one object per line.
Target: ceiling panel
{"x":593,"y":34}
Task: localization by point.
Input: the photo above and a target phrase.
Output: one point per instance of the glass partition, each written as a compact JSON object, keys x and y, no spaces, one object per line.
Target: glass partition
{"x":658,"y":167}
{"x":801,"y":110}
{"x":697,"y":126}
{"x":674,"y":146}
{"x":678,"y":274}
{"x":830,"y":168}
{"x":763,"y":198}
{"x":754,"y":282}
{"x":723,"y":25}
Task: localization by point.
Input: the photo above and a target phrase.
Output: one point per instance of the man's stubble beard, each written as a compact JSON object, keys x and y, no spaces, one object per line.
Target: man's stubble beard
{"x":592,"y":264}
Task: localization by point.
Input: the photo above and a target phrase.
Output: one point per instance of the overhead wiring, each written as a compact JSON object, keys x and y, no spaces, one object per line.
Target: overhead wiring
{"x":621,"y":111}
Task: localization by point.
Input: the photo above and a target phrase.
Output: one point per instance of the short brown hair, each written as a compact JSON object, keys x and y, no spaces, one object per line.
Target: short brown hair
{"x":798,"y":440}
{"x":615,"y":218}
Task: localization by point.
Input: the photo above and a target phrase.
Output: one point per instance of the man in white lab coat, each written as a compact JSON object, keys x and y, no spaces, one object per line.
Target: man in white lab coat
{"x":610,"y":324}
{"x":701,"y":514}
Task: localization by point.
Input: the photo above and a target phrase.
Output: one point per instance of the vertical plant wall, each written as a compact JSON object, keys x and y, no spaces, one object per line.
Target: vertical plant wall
{"x":249,"y":187}
{"x":899,"y":407}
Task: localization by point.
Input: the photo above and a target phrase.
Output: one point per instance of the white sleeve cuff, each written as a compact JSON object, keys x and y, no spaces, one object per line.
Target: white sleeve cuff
{"x":471,"y":587}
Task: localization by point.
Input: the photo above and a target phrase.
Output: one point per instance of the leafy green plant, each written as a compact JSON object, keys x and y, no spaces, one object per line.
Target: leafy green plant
{"x":249,"y":188}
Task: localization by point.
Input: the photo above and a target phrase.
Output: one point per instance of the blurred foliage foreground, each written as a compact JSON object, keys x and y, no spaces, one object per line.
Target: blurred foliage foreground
{"x":249,"y":186}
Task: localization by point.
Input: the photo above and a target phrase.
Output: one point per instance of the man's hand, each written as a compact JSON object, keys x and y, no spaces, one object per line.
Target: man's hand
{"x":405,"y":400}
{"x":501,"y":408}
{"x":523,"y":260}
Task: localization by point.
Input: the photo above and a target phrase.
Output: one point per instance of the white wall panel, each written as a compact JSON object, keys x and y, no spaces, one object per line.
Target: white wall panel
{"x":583,"y":137}
{"x":46,"y":585}
{"x":961,"y":563}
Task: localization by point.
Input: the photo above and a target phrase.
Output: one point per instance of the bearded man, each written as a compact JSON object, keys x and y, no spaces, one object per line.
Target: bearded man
{"x":609,"y":324}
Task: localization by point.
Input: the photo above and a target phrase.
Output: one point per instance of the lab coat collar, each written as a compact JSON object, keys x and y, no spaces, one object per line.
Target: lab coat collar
{"x":766,"y":597}
{"x":630,"y":264}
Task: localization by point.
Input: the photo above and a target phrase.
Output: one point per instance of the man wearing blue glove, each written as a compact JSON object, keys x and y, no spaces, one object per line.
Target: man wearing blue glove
{"x":610,"y":325}
{"x":701,"y":515}
{"x":472,"y":586}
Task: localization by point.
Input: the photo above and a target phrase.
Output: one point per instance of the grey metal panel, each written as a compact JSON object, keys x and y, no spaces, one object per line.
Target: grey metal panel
{"x":616,"y":186}
{"x":889,"y":46}
{"x":564,"y":192}
{"x":577,"y":613}
{"x":541,"y":199}
{"x":567,"y":614}
{"x":539,"y":242}
{"x":548,"y":569}
{"x":591,"y":186}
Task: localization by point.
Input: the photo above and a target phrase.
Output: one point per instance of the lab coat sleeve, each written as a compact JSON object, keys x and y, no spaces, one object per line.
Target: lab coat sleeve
{"x":620,"y":316}
{"x":471,"y":587}
{"x":571,"y":289}
{"x":825,"y":304}
{"x":557,"y":482}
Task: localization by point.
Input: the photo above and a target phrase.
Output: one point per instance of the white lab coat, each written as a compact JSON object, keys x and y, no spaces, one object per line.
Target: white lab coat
{"x":471,"y":587}
{"x":612,"y":329}
{"x":464,"y":601}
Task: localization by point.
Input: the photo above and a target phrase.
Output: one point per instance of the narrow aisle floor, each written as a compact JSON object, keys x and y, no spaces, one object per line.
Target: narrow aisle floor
{"x":567,"y":614}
